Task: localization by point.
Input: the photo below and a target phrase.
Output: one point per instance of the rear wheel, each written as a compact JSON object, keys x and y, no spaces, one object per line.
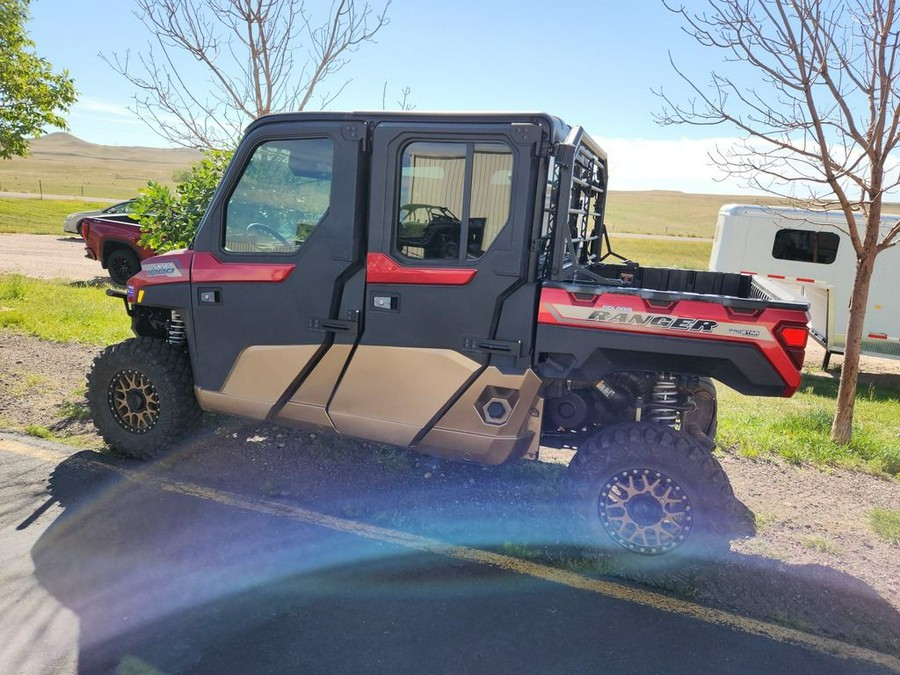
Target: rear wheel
{"x":140,"y":393}
{"x":122,"y":264}
{"x":651,"y":499}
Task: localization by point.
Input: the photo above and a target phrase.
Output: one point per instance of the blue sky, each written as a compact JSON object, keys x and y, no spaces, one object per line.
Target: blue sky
{"x":590,"y":62}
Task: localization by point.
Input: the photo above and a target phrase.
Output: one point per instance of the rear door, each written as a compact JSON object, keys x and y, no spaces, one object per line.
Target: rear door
{"x":447,"y":296}
{"x":273,"y":264}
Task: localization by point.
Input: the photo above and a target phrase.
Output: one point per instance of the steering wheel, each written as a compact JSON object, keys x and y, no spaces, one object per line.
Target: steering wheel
{"x":265,"y":229}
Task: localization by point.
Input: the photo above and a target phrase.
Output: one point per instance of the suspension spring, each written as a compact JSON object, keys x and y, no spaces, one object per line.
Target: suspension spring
{"x":177,"y":332}
{"x":664,"y":401}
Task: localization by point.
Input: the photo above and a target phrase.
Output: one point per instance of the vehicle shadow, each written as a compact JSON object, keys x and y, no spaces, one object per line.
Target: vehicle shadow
{"x":810,"y":597}
{"x":95,"y":282}
{"x":168,"y":575}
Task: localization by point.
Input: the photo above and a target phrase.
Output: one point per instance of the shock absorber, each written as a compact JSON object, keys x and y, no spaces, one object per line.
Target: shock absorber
{"x":664,"y":401}
{"x":177,"y":334}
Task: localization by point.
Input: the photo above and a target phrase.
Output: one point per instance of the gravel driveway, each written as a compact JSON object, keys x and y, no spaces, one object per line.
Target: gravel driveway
{"x":47,"y":257}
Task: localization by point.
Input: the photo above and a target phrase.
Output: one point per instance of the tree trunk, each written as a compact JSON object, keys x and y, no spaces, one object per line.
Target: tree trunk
{"x":842,"y":426}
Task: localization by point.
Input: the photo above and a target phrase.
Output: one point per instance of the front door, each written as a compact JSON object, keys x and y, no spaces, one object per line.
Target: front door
{"x":273,"y":267}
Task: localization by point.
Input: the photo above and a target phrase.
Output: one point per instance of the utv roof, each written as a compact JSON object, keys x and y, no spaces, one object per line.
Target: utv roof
{"x":558,"y":130}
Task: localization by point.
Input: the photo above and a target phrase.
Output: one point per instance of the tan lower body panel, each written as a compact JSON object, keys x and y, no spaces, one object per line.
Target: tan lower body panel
{"x":263,"y":373}
{"x":216,"y":401}
{"x":389,"y":394}
{"x":468,"y":432}
{"x":257,"y":380}
{"x":307,"y":406}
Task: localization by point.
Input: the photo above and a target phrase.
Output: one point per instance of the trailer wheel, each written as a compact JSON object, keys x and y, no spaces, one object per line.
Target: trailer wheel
{"x":650,"y":499}
{"x":122,"y":264}
{"x":141,"y":397}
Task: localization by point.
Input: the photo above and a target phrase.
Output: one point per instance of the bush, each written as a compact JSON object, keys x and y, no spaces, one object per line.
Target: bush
{"x":169,"y":220}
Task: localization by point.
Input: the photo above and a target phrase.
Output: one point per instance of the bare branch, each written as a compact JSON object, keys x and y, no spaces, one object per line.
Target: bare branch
{"x":226,"y":62}
{"x":822,"y":116}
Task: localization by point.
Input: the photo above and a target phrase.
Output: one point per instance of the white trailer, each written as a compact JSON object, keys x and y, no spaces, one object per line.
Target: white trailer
{"x":810,"y":252}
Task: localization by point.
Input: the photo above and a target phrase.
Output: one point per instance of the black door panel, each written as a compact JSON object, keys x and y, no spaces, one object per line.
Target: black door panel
{"x":282,"y":248}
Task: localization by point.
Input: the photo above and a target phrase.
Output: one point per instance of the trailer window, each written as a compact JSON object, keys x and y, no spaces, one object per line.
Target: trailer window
{"x":282,"y":195}
{"x":454,"y":199}
{"x":806,"y":246}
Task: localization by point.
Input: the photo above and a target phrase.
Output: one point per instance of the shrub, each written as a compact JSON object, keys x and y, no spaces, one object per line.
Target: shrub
{"x":170,"y":219}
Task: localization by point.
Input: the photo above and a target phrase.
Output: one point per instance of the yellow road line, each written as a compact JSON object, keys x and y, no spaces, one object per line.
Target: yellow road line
{"x":427,"y":545}
{"x":28,"y":450}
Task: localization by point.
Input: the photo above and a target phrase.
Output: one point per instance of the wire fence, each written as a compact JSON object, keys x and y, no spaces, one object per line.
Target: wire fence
{"x":118,"y":187}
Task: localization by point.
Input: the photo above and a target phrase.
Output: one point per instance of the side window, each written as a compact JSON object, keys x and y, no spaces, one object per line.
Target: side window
{"x":806,"y":246}
{"x":454,"y":199}
{"x":281,"y":197}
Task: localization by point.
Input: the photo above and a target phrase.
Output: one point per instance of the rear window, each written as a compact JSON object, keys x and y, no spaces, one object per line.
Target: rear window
{"x":449,"y":192}
{"x":806,"y":246}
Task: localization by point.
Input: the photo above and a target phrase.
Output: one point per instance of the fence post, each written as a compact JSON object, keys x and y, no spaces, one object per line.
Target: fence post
{"x":41,"y":188}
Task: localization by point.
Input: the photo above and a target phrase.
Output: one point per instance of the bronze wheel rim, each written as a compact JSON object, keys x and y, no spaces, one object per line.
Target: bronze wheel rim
{"x":645,"y":511}
{"x":133,"y":401}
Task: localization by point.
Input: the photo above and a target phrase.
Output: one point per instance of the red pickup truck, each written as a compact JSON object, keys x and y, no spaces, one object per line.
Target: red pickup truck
{"x":115,"y":244}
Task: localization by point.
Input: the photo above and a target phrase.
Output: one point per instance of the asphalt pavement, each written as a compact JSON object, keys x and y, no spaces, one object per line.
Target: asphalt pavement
{"x":109,"y":565}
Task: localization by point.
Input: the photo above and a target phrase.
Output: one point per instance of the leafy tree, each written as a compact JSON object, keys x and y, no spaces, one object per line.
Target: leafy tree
{"x":258,"y":57}
{"x":32,"y":96}
{"x":820,"y":120}
{"x":170,"y":219}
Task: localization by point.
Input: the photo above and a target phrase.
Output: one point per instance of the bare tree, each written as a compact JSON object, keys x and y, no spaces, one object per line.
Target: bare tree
{"x":248,"y":51}
{"x":403,"y":103}
{"x":820,"y":120}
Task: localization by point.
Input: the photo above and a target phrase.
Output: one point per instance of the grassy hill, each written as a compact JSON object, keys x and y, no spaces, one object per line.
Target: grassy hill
{"x":671,"y":213}
{"x":62,"y":164}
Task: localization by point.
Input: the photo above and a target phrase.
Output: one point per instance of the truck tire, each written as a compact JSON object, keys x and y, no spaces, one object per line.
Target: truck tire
{"x":122,"y":264}
{"x":649,"y":499}
{"x":141,"y":396}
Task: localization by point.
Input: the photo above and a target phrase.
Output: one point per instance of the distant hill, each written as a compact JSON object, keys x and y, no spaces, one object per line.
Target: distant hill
{"x":60,"y":163}
{"x":62,"y":144}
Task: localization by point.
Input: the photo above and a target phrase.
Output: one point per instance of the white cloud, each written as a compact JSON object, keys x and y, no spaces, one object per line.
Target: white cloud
{"x":684,"y":165}
{"x":94,"y":105}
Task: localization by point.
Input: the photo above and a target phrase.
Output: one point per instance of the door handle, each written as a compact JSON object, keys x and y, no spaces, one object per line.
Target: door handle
{"x":332,"y":325}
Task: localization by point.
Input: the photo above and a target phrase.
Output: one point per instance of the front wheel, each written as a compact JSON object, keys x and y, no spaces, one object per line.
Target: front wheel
{"x":651,"y":499}
{"x":122,"y":264}
{"x":141,"y":397}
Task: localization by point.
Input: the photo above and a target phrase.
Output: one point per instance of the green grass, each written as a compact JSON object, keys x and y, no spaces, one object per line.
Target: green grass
{"x":673,"y":213}
{"x":687,"y":254}
{"x":821,"y":545}
{"x":798,"y":429}
{"x":40,"y":216}
{"x":38,"y":431}
{"x":886,"y":524}
{"x":62,"y":312}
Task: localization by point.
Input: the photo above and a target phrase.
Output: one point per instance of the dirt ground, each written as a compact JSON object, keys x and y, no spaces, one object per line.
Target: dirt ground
{"x":813,"y":563}
{"x":47,"y":257}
